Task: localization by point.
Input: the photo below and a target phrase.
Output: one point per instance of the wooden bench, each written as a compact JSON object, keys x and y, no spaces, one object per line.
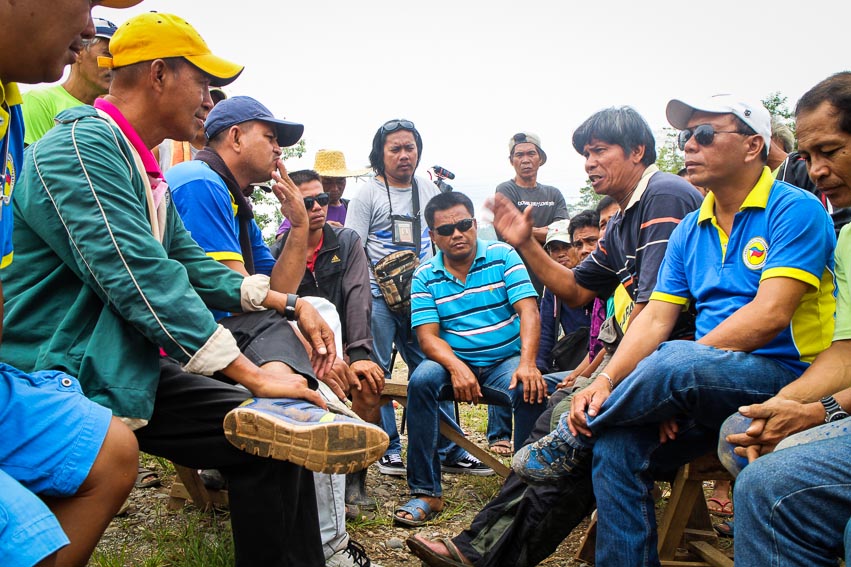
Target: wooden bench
{"x":685,"y":524}
{"x":398,"y":391}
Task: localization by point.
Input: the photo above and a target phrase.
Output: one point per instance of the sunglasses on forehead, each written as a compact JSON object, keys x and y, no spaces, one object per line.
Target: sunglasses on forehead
{"x":449,"y":229}
{"x":323,"y":199}
{"x":703,"y":134}
{"x":393,"y":125}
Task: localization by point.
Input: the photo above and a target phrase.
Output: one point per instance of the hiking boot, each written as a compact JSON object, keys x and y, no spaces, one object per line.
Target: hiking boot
{"x":392,"y":465}
{"x":468,"y":464}
{"x":304,"y":434}
{"x":353,"y":556}
{"x":550,"y":459}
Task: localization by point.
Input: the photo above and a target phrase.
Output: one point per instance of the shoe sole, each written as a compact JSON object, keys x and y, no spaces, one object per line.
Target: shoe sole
{"x":331,"y":448}
{"x":473,"y":472}
{"x":392,"y":471}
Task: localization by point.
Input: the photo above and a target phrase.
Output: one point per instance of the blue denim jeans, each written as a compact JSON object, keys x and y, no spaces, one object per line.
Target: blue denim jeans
{"x":793,"y":505}
{"x":698,"y":385}
{"x":499,"y":424}
{"x":429,"y":385}
{"x":389,"y":328}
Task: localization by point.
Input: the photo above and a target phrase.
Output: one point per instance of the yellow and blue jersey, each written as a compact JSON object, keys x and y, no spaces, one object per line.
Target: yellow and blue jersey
{"x":11,"y":156}
{"x":209,"y":213}
{"x":779,"y":231}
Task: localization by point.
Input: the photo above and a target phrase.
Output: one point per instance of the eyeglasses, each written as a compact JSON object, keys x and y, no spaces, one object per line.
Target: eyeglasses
{"x":449,"y":229}
{"x":393,"y":125}
{"x":323,"y":199}
{"x":703,"y":134}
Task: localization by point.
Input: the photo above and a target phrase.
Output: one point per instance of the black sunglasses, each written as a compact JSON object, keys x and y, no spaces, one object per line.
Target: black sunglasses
{"x":449,"y":229}
{"x":393,"y":125}
{"x":703,"y":134}
{"x":323,"y":199}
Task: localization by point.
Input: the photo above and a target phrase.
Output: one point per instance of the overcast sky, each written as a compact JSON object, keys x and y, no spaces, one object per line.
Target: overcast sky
{"x":471,"y":73}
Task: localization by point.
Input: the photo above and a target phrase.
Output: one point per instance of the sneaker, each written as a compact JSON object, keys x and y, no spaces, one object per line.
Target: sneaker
{"x":550,"y":459}
{"x":392,"y":465}
{"x":468,"y":464}
{"x":304,"y":434}
{"x":353,"y":556}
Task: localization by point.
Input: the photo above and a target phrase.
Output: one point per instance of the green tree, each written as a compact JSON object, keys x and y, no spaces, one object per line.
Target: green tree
{"x":588,"y":199}
{"x":668,"y":155}
{"x":267,"y":210}
{"x":776,"y":105}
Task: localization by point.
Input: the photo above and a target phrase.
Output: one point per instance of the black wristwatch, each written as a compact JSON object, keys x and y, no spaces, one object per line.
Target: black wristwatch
{"x":833,"y":411}
{"x":289,"y":310}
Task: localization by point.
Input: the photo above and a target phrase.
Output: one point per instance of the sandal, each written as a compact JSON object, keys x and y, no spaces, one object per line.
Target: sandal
{"x":147,"y":478}
{"x":432,"y":558}
{"x":724,"y":528}
{"x":501,"y":448}
{"x":724,"y":509}
{"x":419,"y":510}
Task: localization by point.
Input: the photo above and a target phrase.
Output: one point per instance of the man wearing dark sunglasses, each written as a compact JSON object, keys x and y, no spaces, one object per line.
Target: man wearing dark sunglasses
{"x":476,"y":316}
{"x":756,"y":260}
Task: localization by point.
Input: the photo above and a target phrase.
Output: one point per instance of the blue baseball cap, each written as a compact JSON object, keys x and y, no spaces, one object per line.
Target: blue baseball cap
{"x":104,"y":28}
{"x":239,"y":109}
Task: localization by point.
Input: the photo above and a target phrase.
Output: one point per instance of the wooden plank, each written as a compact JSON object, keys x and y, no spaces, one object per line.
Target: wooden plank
{"x":194,"y":486}
{"x":684,"y":495}
{"x":399,"y":391}
{"x":712,"y":555}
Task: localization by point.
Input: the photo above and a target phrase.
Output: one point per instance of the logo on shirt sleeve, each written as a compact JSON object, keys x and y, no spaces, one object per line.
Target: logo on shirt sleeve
{"x":755,"y":253}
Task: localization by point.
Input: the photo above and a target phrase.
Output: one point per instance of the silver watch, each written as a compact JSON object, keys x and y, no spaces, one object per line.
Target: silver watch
{"x":833,"y":411}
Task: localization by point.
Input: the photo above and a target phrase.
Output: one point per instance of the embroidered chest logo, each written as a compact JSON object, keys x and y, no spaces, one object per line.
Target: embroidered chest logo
{"x":335,"y":259}
{"x":755,"y":253}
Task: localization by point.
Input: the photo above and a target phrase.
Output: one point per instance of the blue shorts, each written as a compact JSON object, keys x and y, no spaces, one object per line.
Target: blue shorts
{"x":50,"y":436}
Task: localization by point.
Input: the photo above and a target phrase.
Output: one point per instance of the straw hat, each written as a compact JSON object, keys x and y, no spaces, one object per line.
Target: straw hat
{"x":332,"y":163}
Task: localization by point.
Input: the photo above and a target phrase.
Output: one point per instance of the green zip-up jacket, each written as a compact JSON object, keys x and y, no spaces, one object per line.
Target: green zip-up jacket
{"x":103,"y":277}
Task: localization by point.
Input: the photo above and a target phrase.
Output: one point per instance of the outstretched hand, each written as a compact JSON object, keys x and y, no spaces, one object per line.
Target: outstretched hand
{"x":510,"y":224}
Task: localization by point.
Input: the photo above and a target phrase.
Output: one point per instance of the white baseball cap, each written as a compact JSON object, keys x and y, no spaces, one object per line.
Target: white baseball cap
{"x":753,"y":114}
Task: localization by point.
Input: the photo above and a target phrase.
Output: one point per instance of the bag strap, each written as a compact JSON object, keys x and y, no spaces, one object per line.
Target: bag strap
{"x":415,"y":201}
{"x":418,"y":231}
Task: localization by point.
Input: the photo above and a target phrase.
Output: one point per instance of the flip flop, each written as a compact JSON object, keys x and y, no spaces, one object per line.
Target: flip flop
{"x":147,"y":478}
{"x":419,"y":510}
{"x":434,"y":559}
{"x":501,"y":448}
{"x":724,"y":528}
{"x":724,"y":510}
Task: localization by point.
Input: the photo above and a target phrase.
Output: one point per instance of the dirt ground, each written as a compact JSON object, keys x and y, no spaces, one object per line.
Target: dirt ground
{"x":151,"y":535}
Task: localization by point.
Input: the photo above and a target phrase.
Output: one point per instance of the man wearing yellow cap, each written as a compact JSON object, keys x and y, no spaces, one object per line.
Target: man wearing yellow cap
{"x":110,"y":279}
{"x":66,"y":465}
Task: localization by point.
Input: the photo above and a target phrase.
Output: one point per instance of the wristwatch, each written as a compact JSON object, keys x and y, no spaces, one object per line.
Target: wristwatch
{"x":833,"y":411}
{"x":289,"y":310}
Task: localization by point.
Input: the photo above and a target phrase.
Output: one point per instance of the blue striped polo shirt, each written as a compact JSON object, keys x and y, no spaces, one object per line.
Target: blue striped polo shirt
{"x":476,"y":318}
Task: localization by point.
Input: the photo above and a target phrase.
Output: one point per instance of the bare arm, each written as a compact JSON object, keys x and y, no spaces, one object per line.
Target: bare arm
{"x":643,"y":336}
{"x":464,"y":382}
{"x":796,"y":407}
{"x":775,"y":302}
{"x":527,"y":373}
{"x":289,"y":268}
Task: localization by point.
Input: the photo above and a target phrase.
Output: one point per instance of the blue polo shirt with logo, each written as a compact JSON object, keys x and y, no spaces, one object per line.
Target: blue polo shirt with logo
{"x":209,"y":212}
{"x":779,"y":231}
{"x":477,"y":317}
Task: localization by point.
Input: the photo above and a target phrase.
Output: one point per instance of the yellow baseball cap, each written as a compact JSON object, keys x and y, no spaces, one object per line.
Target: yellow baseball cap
{"x":158,"y":36}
